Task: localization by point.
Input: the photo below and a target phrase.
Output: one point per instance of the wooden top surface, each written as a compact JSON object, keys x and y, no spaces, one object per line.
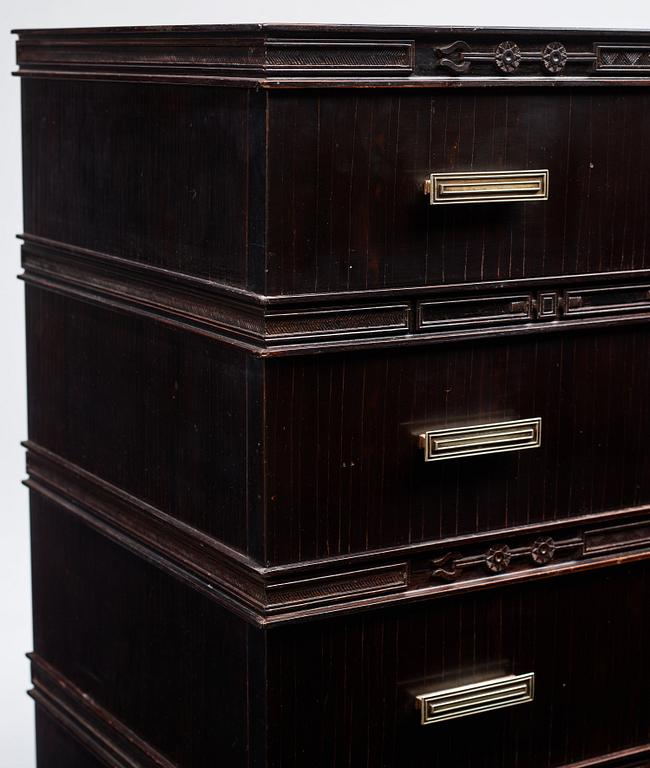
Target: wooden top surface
{"x":318,"y":30}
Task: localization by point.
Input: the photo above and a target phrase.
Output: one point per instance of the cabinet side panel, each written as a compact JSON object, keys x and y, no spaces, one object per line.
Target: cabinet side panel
{"x":56,"y":747}
{"x":153,"y":410}
{"x":155,"y":174}
{"x":162,"y":659}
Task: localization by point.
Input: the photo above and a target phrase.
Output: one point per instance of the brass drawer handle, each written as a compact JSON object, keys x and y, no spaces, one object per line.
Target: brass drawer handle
{"x":439,"y":444}
{"x":466,"y":700}
{"x":487,"y":187}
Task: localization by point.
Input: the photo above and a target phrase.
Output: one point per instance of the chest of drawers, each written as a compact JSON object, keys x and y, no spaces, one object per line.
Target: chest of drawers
{"x":338,"y":396}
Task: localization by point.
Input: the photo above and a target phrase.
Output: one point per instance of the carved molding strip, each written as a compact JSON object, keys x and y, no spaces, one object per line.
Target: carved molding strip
{"x":507,"y":56}
{"x":527,"y":553}
{"x":168,"y":52}
{"x":284,"y":593}
{"x":364,"y":582}
{"x":98,"y":730}
{"x":282,"y":325}
{"x":339,"y":55}
{"x":623,"y":58}
{"x":241,"y":315}
{"x":276,"y":56}
{"x":634,"y":757}
{"x":213,"y":567}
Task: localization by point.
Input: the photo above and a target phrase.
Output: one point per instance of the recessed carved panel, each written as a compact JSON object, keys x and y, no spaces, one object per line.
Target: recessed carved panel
{"x":338,"y":55}
{"x":623,"y":58}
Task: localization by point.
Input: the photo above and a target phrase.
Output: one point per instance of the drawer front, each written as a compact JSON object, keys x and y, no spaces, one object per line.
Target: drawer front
{"x":395,"y":448}
{"x":353,"y":168}
{"x":347,"y":688}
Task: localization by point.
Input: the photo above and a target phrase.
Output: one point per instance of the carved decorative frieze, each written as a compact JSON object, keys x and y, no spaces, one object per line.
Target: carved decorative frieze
{"x":501,"y":558}
{"x":280,"y":56}
{"x":508,"y":56}
{"x":279,"y":325}
{"x":623,"y":58}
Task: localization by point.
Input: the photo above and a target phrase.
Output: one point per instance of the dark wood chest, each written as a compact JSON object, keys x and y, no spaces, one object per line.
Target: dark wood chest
{"x":339,"y":396}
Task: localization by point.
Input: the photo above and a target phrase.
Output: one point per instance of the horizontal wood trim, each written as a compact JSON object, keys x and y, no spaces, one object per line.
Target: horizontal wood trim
{"x":281,"y":594}
{"x":98,"y":730}
{"x":634,"y":757}
{"x":284,"y":301}
{"x":459,"y":82}
{"x":338,"y":56}
{"x":275,"y":326}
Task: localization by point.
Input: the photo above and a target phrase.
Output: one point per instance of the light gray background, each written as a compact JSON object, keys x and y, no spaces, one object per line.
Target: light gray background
{"x":16,"y":717}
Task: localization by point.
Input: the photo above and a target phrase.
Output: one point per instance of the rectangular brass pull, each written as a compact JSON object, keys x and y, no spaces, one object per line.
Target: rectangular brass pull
{"x":486,"y":187}
{"x":466,"y":700}
{"x":454,"y":442}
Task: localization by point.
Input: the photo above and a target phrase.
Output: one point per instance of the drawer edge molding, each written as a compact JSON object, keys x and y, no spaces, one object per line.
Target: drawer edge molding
{"x":633,"y":757}
{"x":302,"y":590}
{"x":271,"y":326}
{"x":99,"y":731}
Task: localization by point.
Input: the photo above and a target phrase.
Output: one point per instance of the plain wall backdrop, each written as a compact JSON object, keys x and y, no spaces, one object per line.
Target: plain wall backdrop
{"x":16,"y":715}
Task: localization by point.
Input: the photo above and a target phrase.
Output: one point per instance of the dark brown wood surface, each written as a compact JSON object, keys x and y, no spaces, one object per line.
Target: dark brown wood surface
{"x":157,"y":175}
{"x":329,"y":463}
{"x":56,"y":747}
{"x":196,"y":682}
{"x":345,"y":472}
{"x":242,"y":310}
{"x":342,"y":686}
{"x":158,"y":656}
{"x":346,"y":172}
{"x":176,"y":407}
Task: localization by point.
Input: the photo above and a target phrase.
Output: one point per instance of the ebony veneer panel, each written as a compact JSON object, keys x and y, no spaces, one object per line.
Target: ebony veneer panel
{"x":162,"y":414}
{"x":168,"y":177}
{"x":197,"y":683}
{"x":177,"y":178}
{"x":159,"y":656}
{"x":310,"y":457}
{"x":341,"y":685}
{"x":351,"y":165}
{"x":212,"y":406}
{"x":57,"y":748}
{"x":345,"y":472}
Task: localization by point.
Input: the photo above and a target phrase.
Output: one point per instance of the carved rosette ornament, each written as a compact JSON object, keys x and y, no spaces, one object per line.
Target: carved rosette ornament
{"x":554,"y":57}
{"x":497,"y":559}
{"x":543,"y":550}
{"x":507,"y":56}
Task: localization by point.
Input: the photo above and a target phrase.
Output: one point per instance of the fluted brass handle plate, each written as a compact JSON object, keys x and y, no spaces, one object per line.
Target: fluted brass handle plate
{"x":466,"y":700}
{"x":455,"y":442}
{"x":486,"y":187}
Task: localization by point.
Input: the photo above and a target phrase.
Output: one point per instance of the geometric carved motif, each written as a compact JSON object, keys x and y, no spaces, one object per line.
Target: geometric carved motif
{"x":613,"y":57}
